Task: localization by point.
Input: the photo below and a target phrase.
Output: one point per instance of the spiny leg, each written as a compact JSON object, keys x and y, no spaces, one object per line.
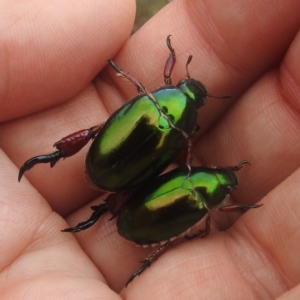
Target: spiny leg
{"x":185,"y":157}
{"x":126,"y":75}
{"x":170,"y":63}
{"x":201,"y":233}
{"x":147,"y":262}
{"x":113,"y":203}
{"x":237,"y":207}
{"x":67,"y":146}
{"x":189,"y":156}
{"x":98,"y":211}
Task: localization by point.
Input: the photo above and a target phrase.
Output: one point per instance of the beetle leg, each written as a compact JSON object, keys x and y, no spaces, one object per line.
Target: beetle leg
{"x":201,"y":233}
{"x":238,"y":207}
{"x":189,"y":153}
{"x":67,"y":146}
{"x":115,"y":201}
{"x":132,"y":79}
{"x":147,"y":262}
{"x":98,"y":211}
{"x":169,"y":63}
{"x":186,"y":155}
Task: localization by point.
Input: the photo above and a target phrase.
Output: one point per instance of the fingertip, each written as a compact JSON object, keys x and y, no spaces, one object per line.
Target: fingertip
{"x":55,"y":49}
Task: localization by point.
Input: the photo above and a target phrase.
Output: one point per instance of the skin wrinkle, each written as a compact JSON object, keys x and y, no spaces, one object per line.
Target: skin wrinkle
{"x":16,"y":17}
{"x":107,"y":79}
{"x":109,"y":236}
{"x":171,"y":268}
{"x":208,"y":131}
{"x":291,"y":111}
{"x":50,"y":16}
{"x":6,"y":82}
{"x":200,"y":134}
{"x":237,"y":240}
{"x":22,"y":251}
{"x":99,"y":93}
{"x":248,"y":238}
{"x":291,"y":213}
{"x":17,"y":45}
{"x":257,"y":115}
{"x":243,"y":70}
{"x":42,"y":229}
{"x":208,"y":267}
{"x":210,"y":48}
{"x":285,"y":78}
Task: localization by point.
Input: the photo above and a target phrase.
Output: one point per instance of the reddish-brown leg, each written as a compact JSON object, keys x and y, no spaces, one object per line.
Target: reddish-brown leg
{"x":67,"y":146}
{"x":170,"y":63}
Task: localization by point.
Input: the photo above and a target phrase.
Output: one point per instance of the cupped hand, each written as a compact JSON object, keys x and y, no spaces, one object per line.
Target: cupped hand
{"x":52,"y":85}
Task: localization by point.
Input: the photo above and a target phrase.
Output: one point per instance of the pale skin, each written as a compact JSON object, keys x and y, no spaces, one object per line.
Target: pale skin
{"x":51,"y":53}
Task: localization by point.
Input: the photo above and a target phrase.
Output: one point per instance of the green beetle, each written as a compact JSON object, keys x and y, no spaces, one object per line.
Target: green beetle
{"x":141,"y":138}
{"x":169,"y":206}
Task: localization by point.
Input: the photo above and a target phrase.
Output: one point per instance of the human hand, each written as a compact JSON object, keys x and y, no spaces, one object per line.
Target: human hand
{"x":237,"y":49}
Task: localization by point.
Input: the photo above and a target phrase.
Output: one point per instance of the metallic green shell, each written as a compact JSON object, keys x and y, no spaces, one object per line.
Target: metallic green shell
{"x":172,"y":203}
{"x":139,"y":140}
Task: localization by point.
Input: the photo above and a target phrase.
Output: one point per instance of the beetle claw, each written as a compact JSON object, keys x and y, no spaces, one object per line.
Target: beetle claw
{"x":240,"y":165}
{"x":147,"y":261}
{"x":98,"y":211}
{"x":48,"y":158}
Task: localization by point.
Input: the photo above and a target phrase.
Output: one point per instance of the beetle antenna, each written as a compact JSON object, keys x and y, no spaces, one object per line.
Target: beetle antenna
{"x":186,"y":66}
{"x":218,"y":97}
{"x":240,"y":165}
{"x":188,"y":76}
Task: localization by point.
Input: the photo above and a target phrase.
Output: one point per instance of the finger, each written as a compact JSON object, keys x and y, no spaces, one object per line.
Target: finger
{"x":55,"y":49}
{"x":79,"y":51}
{"x":35,"y":256}
{"x":263,"y":127}
{"x":277,"y":235}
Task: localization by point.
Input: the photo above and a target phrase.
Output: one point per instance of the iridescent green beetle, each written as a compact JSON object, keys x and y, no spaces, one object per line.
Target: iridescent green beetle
{"x":169,"y":206}
{"x":141,"y":138}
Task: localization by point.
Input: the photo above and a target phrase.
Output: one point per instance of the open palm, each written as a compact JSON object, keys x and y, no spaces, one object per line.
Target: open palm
{"x":52,"y":52}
